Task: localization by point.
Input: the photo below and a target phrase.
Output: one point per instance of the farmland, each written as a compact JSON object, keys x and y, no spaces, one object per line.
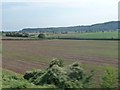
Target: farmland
{"x":83,"y":35}
{"x":20,"y":56}
{"x":58,"y":45}
{"x":96,"y":35}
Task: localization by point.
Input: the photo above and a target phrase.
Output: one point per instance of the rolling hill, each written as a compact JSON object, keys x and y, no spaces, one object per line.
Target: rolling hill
{"x":107,"y":26}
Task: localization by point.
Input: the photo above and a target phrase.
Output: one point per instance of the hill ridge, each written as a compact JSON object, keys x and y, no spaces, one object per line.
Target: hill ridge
{"x":106,"y":26}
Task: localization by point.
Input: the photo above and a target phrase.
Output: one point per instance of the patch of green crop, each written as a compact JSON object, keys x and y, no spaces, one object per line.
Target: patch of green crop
{"x":96,"y":35}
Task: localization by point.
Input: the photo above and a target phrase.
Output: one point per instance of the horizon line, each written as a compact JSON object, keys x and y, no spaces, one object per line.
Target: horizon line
{"x":64,"y":26}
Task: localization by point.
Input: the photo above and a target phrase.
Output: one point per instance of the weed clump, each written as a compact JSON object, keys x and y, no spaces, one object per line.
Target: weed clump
{"x":61,"y":76}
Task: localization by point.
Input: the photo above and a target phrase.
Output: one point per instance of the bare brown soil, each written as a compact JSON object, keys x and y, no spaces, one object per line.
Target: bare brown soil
{"x":21,"y":56}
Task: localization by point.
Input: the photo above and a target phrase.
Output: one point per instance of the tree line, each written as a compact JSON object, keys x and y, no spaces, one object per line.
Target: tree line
{"x":15,"y":34}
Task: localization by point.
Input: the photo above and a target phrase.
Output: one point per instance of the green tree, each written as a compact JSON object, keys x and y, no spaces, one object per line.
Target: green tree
{"x":42,"y":36}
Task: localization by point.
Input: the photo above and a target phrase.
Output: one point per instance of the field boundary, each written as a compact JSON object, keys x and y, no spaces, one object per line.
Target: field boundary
{"x":67,"y":39}
{"x":89,"y":38}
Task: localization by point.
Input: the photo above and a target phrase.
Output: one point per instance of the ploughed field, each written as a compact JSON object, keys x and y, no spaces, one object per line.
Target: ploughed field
{"x":21,"y":56}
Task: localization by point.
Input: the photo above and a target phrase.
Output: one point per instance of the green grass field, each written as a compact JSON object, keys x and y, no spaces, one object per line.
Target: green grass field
{"x":92,"y":35}
{"x":97,"y":35}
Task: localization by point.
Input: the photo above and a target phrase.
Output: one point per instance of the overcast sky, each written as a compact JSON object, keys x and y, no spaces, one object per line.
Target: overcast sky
{"x":19,"y":14}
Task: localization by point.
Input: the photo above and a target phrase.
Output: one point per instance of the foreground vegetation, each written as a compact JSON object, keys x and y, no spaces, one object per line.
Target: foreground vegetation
{"x":59,"y":76}
{"x":13,"y":80}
